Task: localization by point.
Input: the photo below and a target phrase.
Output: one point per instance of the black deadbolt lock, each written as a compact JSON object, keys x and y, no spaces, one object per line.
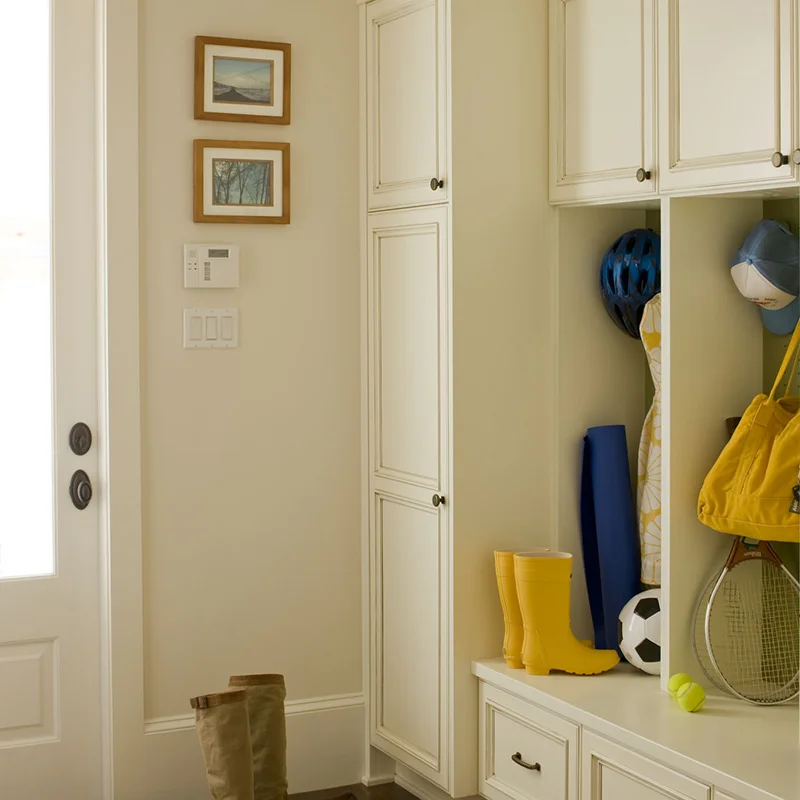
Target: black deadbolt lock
{"x":80,"y":490}
{"x":80,"y":439}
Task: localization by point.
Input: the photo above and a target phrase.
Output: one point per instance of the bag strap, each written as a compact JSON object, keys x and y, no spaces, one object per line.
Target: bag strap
{"x":791,"y":353}
{"x":792,"y":373}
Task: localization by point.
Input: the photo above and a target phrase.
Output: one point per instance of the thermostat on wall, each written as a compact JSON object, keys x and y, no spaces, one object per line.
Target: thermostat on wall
{"x":210,"y":266}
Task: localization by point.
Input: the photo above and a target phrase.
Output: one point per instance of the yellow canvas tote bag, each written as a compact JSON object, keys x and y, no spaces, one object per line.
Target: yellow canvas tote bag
{"x":754,"y":488}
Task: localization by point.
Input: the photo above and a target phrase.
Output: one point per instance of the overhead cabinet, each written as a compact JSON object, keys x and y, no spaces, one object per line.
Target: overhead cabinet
{"x":406,"y":103}
{"x":602,"y":99}
{"x":720,"y":99}
{"x":728,"y":76}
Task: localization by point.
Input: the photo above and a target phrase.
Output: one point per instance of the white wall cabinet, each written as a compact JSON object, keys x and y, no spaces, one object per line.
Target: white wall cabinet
{"x":602,"y":99}
{"x":407,"y":103}
{"x":728,"y":93}
{"x":407,"y":284}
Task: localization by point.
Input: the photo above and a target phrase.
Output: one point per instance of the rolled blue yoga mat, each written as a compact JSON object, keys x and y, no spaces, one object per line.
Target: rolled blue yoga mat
{"x":608,"y":530}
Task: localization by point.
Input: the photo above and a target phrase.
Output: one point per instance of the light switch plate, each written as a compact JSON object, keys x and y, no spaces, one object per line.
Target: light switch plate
{"x":216,"y":328}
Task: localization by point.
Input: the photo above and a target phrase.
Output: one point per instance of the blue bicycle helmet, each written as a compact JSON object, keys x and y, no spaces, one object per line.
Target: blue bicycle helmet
{"x":630,"y":276}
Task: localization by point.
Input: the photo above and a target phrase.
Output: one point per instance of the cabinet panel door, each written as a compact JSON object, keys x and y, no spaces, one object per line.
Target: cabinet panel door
{"x":406,"y":102}
{"x":602,"y":91}
{"x":727,"y":94}
{"x":612,"y":772}
{"x":409,"y":698}
{"x":408,"y":335}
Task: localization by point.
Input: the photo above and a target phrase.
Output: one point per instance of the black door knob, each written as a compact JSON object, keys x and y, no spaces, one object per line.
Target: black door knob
{"x":436,"y":184}
{"x":779,"y":160}
{"x":80,"y":439}
{"x":438,"y":500}
{"x":643,"y":174}
{"x":80,"y":490}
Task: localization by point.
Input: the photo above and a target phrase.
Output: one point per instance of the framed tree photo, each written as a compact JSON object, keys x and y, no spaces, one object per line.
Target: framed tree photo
{"x":240,"y":80}
{"x":241,"y":182}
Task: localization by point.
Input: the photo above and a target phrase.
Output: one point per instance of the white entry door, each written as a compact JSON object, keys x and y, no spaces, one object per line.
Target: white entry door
{"x":50,"y":743}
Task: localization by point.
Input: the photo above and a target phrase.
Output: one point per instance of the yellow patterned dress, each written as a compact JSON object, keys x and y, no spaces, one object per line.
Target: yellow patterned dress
{"x":648,"y":494}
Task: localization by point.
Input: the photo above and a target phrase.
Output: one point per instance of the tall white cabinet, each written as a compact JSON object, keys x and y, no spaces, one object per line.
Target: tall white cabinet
{"x":409,"y":432}
{"x":450,"y":228}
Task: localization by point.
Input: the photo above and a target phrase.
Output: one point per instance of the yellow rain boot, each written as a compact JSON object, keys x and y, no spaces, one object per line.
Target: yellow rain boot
{"x":507,"y":588}
{"x":543,"y":589}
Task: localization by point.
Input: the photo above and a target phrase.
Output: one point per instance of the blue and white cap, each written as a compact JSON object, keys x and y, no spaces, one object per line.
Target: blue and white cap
{"x":766,"y":270}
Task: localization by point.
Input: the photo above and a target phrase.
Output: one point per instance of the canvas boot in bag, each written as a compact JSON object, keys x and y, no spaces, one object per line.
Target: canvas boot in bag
{"x":543,"y":588}
{"x":223,"y":728}
{"x":265,"y":705}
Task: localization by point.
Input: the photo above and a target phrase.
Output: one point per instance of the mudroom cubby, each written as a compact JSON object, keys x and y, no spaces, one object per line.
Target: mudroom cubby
{"x":634,"y":741}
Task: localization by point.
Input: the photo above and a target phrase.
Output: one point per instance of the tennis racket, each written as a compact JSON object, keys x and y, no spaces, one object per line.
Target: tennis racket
{"x":699,"y":639}
{"x":752,"y":625}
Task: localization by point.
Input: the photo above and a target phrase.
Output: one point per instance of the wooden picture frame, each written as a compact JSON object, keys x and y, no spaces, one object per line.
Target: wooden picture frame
{"x":242,"y":80}
{"x":241,"y":182}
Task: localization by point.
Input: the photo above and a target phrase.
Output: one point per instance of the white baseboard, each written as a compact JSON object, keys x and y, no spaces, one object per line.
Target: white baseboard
{"x":377,"y":780}
{"x":182,"y":722}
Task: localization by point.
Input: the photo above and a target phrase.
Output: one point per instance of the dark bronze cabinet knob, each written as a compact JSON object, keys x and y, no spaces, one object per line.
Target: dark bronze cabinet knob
{"x":643,"y":174}
{"x":438,"y":500}
{"x":436,"y":184}
{"x":779,"y":160}
{"x":796,"y":157}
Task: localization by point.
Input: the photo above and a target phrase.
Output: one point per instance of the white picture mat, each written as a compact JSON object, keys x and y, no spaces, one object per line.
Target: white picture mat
{"x":255,"y":110}
{"x":240,"y":154}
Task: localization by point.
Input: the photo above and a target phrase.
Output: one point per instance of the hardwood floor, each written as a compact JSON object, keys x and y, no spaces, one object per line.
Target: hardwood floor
{"x":388,"y":791}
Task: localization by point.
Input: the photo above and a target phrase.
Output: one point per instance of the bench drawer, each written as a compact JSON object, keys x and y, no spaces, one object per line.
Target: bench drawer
{"x":526,"y":752}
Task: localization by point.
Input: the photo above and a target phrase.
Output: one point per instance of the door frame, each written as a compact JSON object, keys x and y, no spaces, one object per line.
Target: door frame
{"x":119,"y":439}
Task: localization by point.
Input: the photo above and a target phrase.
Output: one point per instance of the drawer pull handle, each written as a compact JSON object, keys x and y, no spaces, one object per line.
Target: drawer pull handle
{"x":517,"y":759}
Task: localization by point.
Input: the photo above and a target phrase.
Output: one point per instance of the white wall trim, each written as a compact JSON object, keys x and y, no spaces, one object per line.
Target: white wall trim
{"x":313,"y":705}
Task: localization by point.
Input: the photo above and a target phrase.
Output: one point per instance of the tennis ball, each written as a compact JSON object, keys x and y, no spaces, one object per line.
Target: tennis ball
{"x":691,"y":697}
{"x":676,"y":681}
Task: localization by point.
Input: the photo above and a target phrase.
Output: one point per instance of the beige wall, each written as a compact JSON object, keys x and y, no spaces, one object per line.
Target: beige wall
{"x":251,"y":528}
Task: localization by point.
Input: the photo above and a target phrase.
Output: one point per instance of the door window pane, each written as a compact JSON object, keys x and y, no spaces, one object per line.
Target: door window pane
{"x":26,"y":405}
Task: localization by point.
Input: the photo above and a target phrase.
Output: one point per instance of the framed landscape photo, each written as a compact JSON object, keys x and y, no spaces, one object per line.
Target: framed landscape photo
{"x":240,"y":80}
{"x":244,"y":182}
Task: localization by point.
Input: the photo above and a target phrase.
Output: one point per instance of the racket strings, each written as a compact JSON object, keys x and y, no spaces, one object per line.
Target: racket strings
{"x":753,"y":632}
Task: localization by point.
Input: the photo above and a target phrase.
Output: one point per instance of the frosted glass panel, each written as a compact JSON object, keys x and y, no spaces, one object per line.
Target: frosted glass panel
{"x":26,"y":406}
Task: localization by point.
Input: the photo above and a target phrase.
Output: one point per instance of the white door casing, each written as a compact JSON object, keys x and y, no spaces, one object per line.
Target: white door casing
{"x":602,"y":99}
{"x":50,"y":629}
{"x":407,"y":102}
{"x":728,"y":93}
{"x":408,"y":387}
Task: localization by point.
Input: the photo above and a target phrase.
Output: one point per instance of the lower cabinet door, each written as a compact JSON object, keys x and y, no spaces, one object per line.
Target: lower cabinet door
{"x":526,"y":753}
{"x":409,"y":703}
{"x":612,"y":772}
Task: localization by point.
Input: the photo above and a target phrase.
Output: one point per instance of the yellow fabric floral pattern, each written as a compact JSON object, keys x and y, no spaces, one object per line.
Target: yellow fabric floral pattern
{"x":648,"y":494}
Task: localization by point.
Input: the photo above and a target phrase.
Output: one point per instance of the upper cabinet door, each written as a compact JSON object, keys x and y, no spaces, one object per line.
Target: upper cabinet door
{"x":728,"y":101}
{"x":602,"y":96}
{"x":407,"y":103}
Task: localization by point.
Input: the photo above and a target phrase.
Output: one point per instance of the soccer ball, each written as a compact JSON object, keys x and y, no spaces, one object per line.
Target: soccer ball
{"x":639,"y":631}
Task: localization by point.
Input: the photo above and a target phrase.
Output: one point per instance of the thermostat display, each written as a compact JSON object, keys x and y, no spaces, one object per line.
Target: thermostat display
{"x":210,"y":266}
